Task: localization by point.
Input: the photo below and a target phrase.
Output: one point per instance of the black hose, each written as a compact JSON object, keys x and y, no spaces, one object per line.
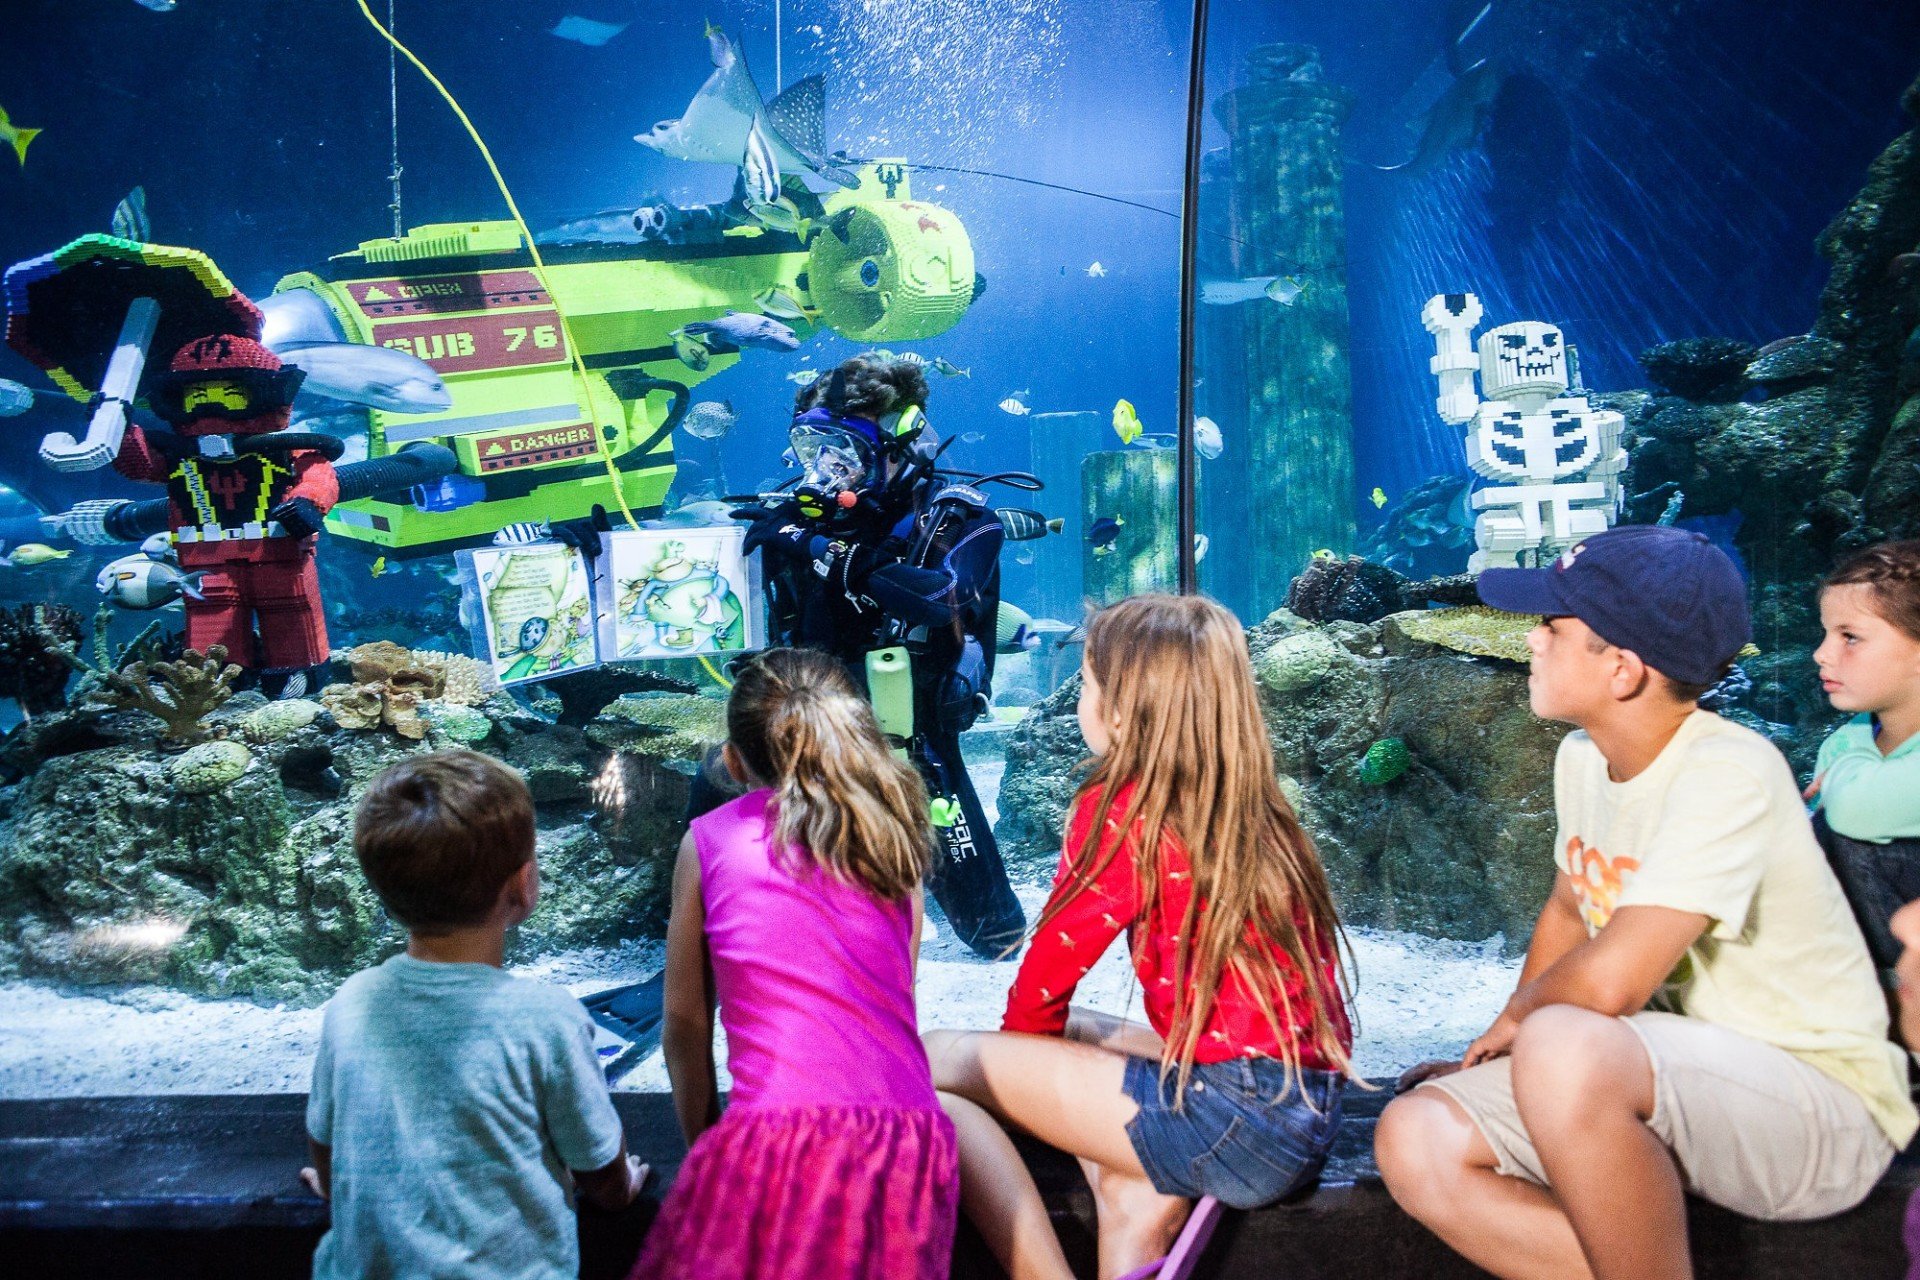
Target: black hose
{"x":1189,"y":285}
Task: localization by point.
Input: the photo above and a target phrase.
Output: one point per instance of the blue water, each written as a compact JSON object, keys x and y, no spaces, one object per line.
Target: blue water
{"x":1663,"y":169}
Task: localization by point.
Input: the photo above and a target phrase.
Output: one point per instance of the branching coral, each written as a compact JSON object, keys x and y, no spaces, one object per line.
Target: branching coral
{"x":180,"y":694}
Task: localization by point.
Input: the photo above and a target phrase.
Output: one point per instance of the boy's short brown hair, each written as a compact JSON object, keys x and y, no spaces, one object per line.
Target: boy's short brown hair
{"x":439,"y":835}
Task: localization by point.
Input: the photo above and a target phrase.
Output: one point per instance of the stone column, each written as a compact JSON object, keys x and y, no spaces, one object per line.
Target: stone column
{"x":1284,"y":394}
{"x":1138,"y":488}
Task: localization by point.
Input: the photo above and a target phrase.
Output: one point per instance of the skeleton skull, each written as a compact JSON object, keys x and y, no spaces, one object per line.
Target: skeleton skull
{"x":1523,"y":358}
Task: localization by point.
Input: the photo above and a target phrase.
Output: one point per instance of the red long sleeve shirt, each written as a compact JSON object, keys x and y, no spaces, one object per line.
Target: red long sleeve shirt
{"x":1066,"y":948}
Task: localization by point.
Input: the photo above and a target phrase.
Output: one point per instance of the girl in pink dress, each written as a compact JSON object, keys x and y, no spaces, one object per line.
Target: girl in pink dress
{"x":801,"y":899}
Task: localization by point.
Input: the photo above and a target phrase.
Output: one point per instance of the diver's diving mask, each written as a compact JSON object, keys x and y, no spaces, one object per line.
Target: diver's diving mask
{"x":833,"y":461}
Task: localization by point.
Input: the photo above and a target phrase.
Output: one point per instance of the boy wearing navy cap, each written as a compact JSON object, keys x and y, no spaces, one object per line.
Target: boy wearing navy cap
{"x":1697,"y":1011}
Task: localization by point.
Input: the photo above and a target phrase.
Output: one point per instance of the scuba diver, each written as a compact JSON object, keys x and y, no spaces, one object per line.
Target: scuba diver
{"x":875,"y":553}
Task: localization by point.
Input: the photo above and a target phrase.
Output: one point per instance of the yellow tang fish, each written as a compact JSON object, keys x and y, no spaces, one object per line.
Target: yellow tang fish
{"x":16,"y":137}
{"x":378,"y":567}
{"x":1379,"y":496}
{"x":32,"y":553}
{"x":1126,"y":423}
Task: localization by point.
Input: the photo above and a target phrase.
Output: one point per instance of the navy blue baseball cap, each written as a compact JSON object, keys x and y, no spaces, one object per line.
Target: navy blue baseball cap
{"x":1668,"y":594}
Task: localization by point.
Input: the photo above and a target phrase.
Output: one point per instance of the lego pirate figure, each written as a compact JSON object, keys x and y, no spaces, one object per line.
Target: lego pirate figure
{"x":1554,"y":460}
{"x":876,"y":553}
{"x":245,"y":500}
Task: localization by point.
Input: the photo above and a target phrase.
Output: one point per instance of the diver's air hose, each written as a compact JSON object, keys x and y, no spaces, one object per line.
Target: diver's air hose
{"x":533,"y":250}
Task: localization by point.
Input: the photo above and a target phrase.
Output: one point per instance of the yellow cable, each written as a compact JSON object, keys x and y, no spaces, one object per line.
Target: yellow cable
{"x":539,"y":264}
{"x":715,"y":673}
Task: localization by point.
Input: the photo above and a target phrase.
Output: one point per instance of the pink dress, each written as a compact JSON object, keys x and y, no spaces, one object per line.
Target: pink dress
{"x":833,"y":1160}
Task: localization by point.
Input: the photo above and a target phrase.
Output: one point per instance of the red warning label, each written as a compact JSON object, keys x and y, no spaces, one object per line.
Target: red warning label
{"x":530,"y":448}
{"x":510,"y":340}
{"x":429,"y":295}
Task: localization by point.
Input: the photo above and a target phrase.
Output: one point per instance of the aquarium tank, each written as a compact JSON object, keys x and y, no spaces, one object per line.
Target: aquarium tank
{"x":524,"y":293}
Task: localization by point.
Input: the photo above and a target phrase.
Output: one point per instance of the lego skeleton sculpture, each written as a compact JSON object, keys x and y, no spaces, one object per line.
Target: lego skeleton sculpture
{"x":1554,"y":461}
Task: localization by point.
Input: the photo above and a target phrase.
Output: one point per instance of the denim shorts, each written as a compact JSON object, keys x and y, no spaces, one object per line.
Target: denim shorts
{"x":1230,"y":1139}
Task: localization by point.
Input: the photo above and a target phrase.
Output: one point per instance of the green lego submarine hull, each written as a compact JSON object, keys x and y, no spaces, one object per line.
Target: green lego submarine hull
{"x":877,"y":266}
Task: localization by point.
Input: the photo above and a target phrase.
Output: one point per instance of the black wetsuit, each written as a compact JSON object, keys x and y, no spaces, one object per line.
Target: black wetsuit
{"x":937,"y":591}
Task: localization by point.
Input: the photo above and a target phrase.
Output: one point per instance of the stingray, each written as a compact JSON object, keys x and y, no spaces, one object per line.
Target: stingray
{"x":1455,"y":121}
{"x":717,"y":124}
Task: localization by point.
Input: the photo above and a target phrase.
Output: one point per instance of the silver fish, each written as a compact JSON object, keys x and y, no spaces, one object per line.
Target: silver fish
{"x":742,"y":330}
{"x":942,"y":365}
{"x":705,"y":514}
{"x":158,"y":6}
{"x":1206,"y":438}
{"x":522,"y":533}
{"x":15,"y":398}
{"x":710,"y":419}
{"x":379,"y":377}
{"x":804,"y":377}
{"x":1284,"y":290}
{"x":140,"y":582}
{"x":1013,"y":406}
{"x":130,"y":215}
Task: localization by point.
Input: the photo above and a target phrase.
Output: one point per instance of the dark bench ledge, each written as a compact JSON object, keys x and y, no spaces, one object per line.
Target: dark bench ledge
{"x":205,"y":1187}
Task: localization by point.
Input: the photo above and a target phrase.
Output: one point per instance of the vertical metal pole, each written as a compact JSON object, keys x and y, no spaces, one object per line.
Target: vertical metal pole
{"x":776,"y":48}
{"x":393,"y":108}
{"x":1189,"y":287}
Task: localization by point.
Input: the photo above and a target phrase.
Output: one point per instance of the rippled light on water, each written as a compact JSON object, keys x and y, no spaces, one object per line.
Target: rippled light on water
{"x":610,"y":787}
{"x":139,"y":935}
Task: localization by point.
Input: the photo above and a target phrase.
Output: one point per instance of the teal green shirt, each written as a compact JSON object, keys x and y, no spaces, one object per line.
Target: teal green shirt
{"x":1866,"y":795}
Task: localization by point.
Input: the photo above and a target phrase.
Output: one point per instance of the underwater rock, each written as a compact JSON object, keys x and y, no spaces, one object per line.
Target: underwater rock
{"x":1044,"y":753}
{"x":1461,"y":843}
{"x":275,"y":720}
{"x":1469,"y":629}
{"x":661,"y":726}
{"x":582,"y":694}
{"x":1350,"y":589}
{"x":1296,"y":661}
{"x":208,"y":767}
{"x":595,"y":892}
{"x":1712,"y":369}
{"x":450,"y":724}
{"x":1806,"y":359}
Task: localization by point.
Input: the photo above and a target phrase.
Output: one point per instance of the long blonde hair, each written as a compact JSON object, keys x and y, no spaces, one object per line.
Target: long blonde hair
{"x":1175,"y":678}
{"x":841,"y":798}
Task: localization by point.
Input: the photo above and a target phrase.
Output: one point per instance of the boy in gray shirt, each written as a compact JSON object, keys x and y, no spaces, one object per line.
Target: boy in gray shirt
{"x":454,"y":1108}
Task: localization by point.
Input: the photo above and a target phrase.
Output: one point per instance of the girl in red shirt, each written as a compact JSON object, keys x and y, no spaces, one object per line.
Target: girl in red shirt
{"x":1181,"y":838}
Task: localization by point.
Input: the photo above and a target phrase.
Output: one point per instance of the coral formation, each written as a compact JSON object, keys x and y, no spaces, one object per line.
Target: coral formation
{"x":275,"y":720}
{"x":455,"y":724}
{"x":661,"y":726}
{"x":34,"y":642}
{"x":1385,"y":760}
{"x":1295,"y":661}
{"x":181,"y":694}
{"x":208,"y":767}
{"x":392,"y":686}
{"x":1474,"y":629}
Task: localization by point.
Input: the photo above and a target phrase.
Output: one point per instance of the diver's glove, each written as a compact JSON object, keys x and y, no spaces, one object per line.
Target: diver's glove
{"x":300,"y":517}
{"x":862,"y":571}
{"x":583,"y":535}
{"x":783,"y":530}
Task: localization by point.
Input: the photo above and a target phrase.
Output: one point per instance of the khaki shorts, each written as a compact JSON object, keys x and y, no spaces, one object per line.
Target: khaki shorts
{"x":1752,"y":1127}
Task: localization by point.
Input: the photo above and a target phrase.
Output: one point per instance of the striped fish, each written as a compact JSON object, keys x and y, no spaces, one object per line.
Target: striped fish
{"x":522,"y":533}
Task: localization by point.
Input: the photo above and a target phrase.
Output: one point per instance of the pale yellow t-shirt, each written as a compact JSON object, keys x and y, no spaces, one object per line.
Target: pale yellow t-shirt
{"x":1715,"y":826}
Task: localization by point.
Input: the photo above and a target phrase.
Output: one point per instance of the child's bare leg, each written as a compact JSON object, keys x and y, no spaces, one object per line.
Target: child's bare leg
{"x":998,"y":1196}
{"x":1069,"y":1096}
{"x":1584,"y":1086}
{"x":1441,"y":1170}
